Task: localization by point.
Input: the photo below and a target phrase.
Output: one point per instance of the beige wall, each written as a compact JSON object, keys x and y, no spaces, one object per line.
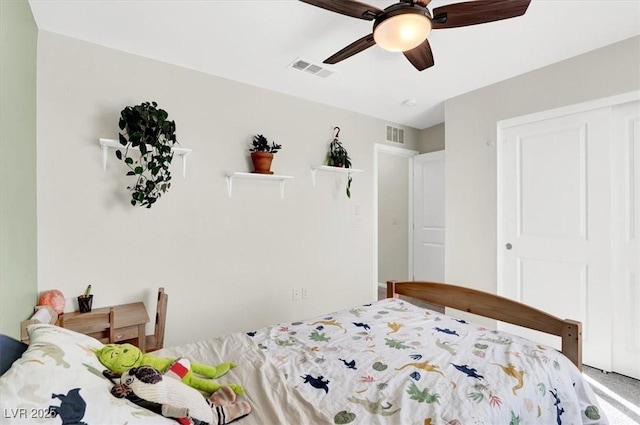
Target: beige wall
{"x":18,"y":250}
{"x":431,"y":139}
{"x":393,"y":217}
{"x":470,"y":122}
{"x":227,"y":264}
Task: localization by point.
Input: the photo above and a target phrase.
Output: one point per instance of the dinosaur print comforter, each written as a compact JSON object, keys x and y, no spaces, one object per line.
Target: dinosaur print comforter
{"x":393,"y":363}
{"x":387,"y":363}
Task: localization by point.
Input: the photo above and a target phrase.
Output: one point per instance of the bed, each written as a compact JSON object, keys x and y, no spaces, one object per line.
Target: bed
{"x":385,"y":363}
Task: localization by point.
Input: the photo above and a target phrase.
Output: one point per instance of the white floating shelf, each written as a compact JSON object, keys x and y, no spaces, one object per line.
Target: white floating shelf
{"x":339,"y":170}
{"x":256,"y":176}
{"x":105,"y":144}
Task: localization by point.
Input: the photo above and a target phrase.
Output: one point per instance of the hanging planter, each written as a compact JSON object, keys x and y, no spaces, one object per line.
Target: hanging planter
{"x":262,"y":154}
{"x":147,"y":139}
{"x":339,"y":157}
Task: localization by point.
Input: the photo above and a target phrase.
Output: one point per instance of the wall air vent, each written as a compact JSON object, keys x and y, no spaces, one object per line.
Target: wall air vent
{"x":395,"y":135}
{"x":311,"y":68}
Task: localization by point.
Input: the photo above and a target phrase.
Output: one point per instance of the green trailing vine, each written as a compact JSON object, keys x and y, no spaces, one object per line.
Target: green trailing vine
{"x":147,"y":128}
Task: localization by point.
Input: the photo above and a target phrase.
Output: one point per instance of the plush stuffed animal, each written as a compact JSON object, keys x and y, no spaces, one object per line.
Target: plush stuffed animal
{"x":169,"y":397}
{"x":122,"y":357}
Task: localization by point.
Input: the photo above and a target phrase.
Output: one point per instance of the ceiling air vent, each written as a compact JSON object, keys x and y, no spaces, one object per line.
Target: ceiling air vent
{"x":311,"y":68}
{"x":395,"y":135}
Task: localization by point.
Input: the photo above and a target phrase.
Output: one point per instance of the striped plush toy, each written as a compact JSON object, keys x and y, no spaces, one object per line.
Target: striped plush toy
{"x":148,"y":388}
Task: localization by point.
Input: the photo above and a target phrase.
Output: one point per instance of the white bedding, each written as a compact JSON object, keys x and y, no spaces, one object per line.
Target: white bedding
{"x":61,"y":362}
{"x":388,"y":363}
{"x":391,"y":363}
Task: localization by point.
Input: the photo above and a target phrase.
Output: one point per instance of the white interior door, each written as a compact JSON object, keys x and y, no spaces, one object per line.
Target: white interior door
{"x":626,"y":247}
{"x":555,"y":183}
{"x":428,"y":216}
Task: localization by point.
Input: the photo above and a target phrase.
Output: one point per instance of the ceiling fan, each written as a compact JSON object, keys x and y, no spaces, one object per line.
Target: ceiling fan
{"x":404,"y":26}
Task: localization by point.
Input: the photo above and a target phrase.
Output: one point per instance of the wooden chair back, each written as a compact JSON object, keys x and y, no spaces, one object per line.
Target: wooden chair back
{"x":156,"y":341}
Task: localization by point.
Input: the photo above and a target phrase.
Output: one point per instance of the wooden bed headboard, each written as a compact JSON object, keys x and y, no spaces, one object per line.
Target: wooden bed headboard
{"x":495,"y":307}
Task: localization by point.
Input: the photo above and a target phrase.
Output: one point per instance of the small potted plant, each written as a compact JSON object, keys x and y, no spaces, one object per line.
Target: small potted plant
{"x":85,"y":300}
{"x":146,"y":128}
{"x":262,"y":154}
{"x":339,"y":157}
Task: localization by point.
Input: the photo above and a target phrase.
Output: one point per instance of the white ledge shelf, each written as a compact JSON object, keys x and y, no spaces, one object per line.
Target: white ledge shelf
{"x":105,"y":144}
{"x":339,"y":170}
{"x":256,"y":176}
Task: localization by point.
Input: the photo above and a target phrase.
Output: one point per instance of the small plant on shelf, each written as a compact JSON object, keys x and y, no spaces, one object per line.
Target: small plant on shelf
{"x":339,"y":157}
{"x":261,"y":144}
{"x":262,"y":154}
{"x":147,"y":128}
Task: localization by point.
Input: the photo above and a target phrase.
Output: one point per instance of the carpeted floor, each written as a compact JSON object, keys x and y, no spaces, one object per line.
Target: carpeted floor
{"x":619,"y":395}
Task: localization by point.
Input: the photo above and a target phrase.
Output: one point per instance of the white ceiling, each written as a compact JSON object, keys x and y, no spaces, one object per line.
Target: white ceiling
{"x":255,"y":41}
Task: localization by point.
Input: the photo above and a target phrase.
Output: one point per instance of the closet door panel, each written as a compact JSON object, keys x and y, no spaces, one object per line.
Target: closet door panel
{"x":625,"y":244}
{"x":555,"y":246}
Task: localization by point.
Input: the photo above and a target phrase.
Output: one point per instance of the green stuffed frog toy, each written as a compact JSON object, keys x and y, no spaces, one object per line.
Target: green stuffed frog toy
{"x":122,"y":357}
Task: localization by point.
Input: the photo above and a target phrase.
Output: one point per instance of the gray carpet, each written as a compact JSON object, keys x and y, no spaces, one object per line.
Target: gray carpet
{"x":619,"y":395}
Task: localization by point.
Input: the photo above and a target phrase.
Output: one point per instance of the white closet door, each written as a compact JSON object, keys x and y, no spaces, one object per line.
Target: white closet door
{"x":626,"y":247}
{"x":555,"y":248}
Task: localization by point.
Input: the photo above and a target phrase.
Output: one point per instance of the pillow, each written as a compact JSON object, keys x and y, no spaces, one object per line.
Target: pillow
{"x":59,"y":374}
{"x":10,"y":351}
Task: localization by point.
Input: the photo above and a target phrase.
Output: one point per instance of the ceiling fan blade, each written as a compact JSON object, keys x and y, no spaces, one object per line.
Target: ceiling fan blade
{"x":421,"y":57}
{"x":423,"y":3}
{"x":477,"y":12}
{"x":353,"y":48}
{"x":351,"y":8}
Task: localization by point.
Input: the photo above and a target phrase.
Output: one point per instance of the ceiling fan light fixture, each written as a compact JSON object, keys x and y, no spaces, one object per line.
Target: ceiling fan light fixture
{"x":402,"y":32}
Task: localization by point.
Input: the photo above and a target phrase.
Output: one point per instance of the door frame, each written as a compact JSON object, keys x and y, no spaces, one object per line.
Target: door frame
{"x":501,"y":126}
{"x":408,"y":154}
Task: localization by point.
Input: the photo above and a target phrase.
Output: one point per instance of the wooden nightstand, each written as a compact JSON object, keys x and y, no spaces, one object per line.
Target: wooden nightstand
{"x":129,"y":322}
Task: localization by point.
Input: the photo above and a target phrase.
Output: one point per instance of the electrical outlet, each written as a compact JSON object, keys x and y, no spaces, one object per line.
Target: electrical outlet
{"x":295,"y":294}
{"x":305,"y":293}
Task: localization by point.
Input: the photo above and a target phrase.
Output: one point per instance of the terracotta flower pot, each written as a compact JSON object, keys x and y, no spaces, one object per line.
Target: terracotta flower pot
{"x":262,"y":162}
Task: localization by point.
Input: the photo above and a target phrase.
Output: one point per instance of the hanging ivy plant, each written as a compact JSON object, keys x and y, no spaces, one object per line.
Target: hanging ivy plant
{"x":146,"y":128}
{"x":339,"y":157}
